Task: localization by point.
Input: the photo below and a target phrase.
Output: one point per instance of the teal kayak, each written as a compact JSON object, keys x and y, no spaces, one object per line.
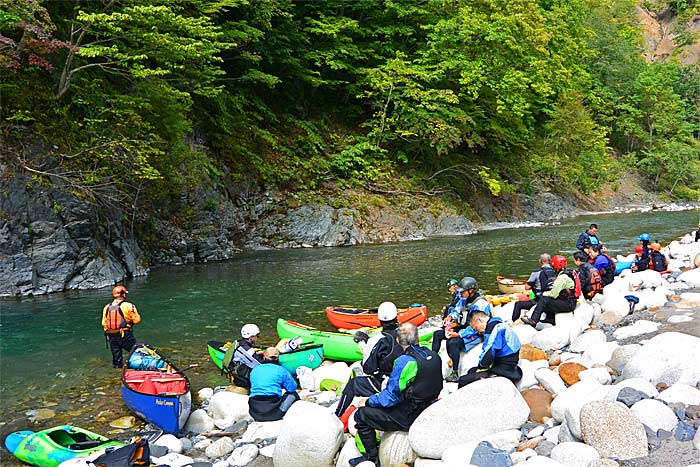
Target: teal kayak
{"x":308,"y":354}
{"x":336,"y":345}
{"x":51,"y":447}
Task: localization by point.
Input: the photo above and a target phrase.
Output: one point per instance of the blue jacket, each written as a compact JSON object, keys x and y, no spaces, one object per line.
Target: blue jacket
{"x":585,"y":240}
{"x":499,"y":341}
{"x":404,"y":373}
{"x":461,"y":311}
{"x":269,"y":379}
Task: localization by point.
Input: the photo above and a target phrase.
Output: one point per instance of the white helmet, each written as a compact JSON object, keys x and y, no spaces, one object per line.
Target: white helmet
{"x":249,"y":330}
{"x":387,"y":311}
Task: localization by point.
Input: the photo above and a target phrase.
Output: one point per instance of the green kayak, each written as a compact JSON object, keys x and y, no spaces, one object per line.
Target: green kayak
{"x":308,"y":354}
{"x":336,"y":345}
{"x":49,"y":448}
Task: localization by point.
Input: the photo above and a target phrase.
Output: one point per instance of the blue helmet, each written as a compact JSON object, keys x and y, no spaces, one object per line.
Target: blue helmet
{"x":644,"y":237}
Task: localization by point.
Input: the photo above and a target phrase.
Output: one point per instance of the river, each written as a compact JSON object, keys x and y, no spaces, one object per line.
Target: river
{"x":53,"y":354}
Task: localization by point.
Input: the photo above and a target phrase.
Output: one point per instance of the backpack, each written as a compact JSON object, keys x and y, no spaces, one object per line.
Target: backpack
{"x":591,"y":282}
{"x":114,"y":319}
{"x":657,"y":261}
{"x":547,"y":278}
{"x":575,"y":276}
{"x":131,"y":455}
{"x":237,"y":372}
{"x":608,"y":273}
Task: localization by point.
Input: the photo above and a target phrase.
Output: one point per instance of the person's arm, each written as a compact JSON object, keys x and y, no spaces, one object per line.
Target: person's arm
{"x":581,"y":242}
{"x":132,"y":315}
{"x":371,"y":365}
{"x":288,"y":382}
{"x":404,"y":372}
{"x":488,"y":354}
{"x":104,"y":317}
{"x":559,"y":285}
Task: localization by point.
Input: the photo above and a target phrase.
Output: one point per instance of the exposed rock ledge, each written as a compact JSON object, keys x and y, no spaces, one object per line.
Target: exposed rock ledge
{"x":51,"y":241}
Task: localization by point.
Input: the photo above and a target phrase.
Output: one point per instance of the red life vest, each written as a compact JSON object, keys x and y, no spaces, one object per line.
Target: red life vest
{"x":114,"y":319}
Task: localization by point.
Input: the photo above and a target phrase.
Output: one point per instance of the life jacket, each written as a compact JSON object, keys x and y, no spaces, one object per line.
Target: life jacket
{"x":426,"y":386}
{"x":131,"y":455}
{"x":574,"y":293}
{"x":386,"y":361}
{"x":608,"y":273}
{"x":657,"y":261}
{"x":547,"y":277}
{"x":238,"y":364}
{"x":114,"y":319}
{"x":591,"y":282}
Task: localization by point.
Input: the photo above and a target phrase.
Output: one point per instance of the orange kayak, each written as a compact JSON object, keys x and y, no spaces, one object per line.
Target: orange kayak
{"x":354,"y":318}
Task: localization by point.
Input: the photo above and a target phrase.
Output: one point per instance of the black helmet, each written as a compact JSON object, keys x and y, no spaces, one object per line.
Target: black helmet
{"x":468,"y":283}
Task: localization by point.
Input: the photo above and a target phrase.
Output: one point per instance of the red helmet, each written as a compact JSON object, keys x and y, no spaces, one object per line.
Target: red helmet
{"x":558,"y":262}
{"x":119,"y":291}
{"x":639,"y":249}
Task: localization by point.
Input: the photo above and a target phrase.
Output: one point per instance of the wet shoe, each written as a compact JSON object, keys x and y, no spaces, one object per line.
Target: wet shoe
{"x":529,"y":321}
{"x":452,"y":377}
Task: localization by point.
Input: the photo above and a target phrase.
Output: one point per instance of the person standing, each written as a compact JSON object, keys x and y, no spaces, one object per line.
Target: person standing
{"x":414,"y":384}
{"x":588,"y":238}
{"x":118,"y":319}
{"x":382,"y":351}
{"x":272,"y":389}
{"x":540,"y":281}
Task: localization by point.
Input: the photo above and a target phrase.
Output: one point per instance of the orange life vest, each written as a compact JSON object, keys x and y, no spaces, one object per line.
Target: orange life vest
{"x":114,"y":319}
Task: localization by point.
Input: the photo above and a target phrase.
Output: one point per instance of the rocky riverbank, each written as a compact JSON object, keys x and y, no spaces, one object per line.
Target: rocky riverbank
{"x":603,"y":387}
{"x":51,"y":240}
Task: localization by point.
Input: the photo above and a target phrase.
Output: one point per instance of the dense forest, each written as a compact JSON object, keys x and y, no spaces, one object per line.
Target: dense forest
{"x":134,"y":102}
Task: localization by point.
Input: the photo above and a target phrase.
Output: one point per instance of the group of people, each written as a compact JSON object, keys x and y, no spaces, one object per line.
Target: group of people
{"x":401,"y":378}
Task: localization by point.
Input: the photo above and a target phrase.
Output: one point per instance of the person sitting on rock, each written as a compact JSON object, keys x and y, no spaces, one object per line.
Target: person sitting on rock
{"x":591,"y":282}
{"x":240,"y":359}
{"x":452,"y":287}
{"x":641,"y":262}
{"x":460,"y":337}
{"x":500,"y":354}
{"x":414,"y":384}
{"x":272,"y":389}
{"x":377,"y":365}
{"x":540,"y":280}
{"x":561,"y":299}
{"x":603,"y":263}
{"x":657,"y":260}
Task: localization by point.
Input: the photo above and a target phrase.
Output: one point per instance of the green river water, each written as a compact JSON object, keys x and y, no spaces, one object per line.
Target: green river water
{"x":53,"y":354}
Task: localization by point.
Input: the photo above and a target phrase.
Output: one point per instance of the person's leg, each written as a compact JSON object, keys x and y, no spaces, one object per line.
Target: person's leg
{"x":116,"y":348}
{"x":520,"y":306}
{"x":367,"y":420}
{"x":360,"y":386}
{"x":471,"y":376}
{"x":438,"y":337}
{"x":287,"y":400}
{"x":454,"y":348}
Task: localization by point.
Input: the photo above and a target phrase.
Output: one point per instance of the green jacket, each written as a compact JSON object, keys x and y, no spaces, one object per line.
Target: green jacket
{"x":562,"y":282}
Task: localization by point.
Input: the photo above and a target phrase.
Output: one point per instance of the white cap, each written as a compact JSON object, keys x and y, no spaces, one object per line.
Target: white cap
{"x":387,"y":311}
{"x":249,"y":330}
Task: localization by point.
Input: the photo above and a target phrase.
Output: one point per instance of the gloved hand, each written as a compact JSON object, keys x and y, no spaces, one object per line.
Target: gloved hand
{"x":360,"y":336}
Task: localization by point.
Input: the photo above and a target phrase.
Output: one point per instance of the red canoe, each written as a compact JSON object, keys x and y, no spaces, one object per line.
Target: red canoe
{"x":354,"y":318}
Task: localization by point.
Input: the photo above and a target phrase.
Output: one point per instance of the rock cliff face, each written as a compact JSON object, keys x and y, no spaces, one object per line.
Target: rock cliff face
{"x":663,"y":34}
{"x":51,"y":241}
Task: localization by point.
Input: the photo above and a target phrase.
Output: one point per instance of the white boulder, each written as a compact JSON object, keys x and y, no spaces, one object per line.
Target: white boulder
{"x":616,"y":303}
{"x":395,"y":449}
{"x":645,"y":280}
{"x":552,"y":434}
{"x":696,"y":440}
{"x":551,"y":338}
{"x":574,"y":396}
{"x":572,"y":408}
{"x":310,"y":436}
{"x":525,"y":333}
{"x":621,"y":356}
{"x":529,"y":368}
{"x":243,"y":455}
{"x":687,"y":395}
{"x":637,"y":329}
{"x":598,"y":374}
{"x":587,"y":339}
{"x":199,"y":422}
{"x":670,"y":357}
{"x":571,"y":323}
{"x":613,"y":430}
{"x":598,"y":354}
{"x":171,"y":442}
{"x":262,"y":430}
{"x":219,"y":448}
{"x":574,"y":454}
{"x":228,"y":405}
{"x":173,"y":459}
{"x":347,"y":452}
{"x":541,"y":461}
{"x":205,"y":394}
{"x":337,"y":371}
{"x":421,"y":462}
{"x":655,"y":414}
{"x":460,"y":453}
{"x":691,"y":277}
{"x":500,"y":408}
{"x":550,"y":380}
{"x":584,"y":312}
